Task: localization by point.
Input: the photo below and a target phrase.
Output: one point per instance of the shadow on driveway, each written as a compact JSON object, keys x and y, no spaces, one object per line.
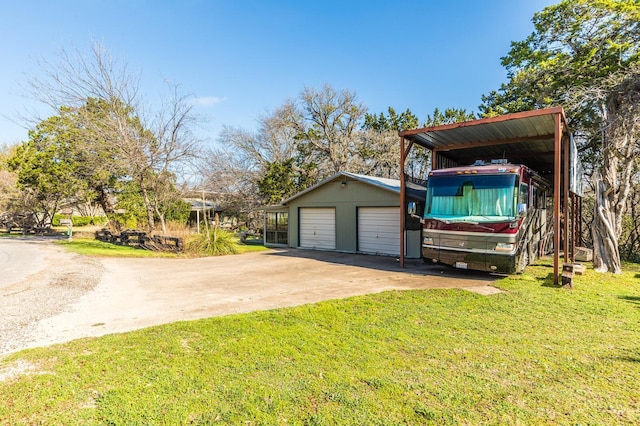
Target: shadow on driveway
{"x":386,"y":263}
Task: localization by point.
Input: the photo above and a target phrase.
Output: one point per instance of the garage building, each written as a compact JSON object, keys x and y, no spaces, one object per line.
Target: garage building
{"x":348,"y":213}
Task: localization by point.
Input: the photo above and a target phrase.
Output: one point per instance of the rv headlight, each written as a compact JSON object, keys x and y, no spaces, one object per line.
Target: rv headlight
{"x":504,"y":247}
{"x":427,"y":241}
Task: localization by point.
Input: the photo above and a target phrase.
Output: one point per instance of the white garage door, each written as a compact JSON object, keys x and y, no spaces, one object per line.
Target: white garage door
{"x":318,"y":228}
{"x":379,"y":230}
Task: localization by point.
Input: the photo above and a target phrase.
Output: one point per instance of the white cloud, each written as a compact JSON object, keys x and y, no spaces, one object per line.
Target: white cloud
{"x":207,"y":101}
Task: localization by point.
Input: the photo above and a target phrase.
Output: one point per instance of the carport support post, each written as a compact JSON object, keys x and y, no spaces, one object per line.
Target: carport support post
{"x":568,"y":249}
{"x":402,"y":200}
{"x":556,"y":197}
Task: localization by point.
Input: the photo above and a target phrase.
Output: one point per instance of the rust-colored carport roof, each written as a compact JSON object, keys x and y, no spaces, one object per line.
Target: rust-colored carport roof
{"x":522,"y":138}
{"x":539,"y":138}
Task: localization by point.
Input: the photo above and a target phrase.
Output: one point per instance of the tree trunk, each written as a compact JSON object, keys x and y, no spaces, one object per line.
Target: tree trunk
{"x":149,"y":208}
{"x":163,"y":223}
{"x":108,"y":207}
{"x":606,"y":255}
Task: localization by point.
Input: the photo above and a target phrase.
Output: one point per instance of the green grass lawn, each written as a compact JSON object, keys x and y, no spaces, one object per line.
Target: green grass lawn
{"x":535,"y":354}
{"x":93,"y":247}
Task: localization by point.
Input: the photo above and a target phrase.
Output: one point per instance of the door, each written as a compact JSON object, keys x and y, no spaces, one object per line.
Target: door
{"x":318,"y":228}
{"x":379,"y":230}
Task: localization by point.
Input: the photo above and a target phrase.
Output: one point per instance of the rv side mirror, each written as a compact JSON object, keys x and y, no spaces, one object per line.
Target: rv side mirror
{"x":522,"y":210}
{"x":411,"y":208}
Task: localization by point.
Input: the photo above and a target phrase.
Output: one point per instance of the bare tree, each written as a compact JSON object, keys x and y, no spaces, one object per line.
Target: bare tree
{"x":274,"y":140}
{"x":378,"y":154}
{"x":233,"y":172}
{"x":75,"y":77}
{"x":231,"y":179}
{"x":328,"y":128}
{"x":316,"y":135}
{"x":175,"y":146}
{"x":120,"y":140}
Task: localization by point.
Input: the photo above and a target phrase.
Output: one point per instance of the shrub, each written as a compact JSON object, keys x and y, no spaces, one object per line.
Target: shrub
{"x":80,"y":220}
{"x":219,"y":242}
{"x":178,"y":211}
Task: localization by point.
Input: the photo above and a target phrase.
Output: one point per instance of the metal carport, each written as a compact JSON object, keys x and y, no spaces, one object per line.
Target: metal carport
{"x":540,"y":139}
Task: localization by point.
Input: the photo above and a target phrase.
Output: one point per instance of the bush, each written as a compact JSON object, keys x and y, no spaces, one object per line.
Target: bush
{"x":220,"y":242}
{"x":178,"y":211}
{"x":80,"y":220}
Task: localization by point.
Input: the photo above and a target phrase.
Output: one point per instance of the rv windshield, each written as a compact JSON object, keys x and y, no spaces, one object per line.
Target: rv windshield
{"x":472,"y":198}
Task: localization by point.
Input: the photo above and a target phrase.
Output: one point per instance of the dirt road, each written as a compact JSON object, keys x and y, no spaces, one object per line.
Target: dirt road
{"x":115,"y":295}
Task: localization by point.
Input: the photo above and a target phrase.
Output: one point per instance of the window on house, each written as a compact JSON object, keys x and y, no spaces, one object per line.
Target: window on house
{"x":277,"y":228}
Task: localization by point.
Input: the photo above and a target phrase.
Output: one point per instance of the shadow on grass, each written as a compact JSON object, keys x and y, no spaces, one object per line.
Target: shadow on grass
{"x":548,"y":281}
{"x":629,"y":359}
{"x":541,"y":265}
{"x":631,"y":299}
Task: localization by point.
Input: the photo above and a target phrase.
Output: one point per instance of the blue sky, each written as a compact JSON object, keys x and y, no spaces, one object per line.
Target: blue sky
{"x":243,"y":59}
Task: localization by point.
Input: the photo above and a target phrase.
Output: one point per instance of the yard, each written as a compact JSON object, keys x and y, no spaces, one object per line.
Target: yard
{"x":534,"y":354}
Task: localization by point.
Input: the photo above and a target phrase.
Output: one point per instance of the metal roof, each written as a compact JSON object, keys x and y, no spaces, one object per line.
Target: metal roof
{"x":198,"y":205}
{"x":392,"y":185}
{"x":522,"y":138}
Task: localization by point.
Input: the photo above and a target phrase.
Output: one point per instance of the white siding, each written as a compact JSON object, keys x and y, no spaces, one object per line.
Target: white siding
{"x":379,"y":230}
{"x":318,"y":228}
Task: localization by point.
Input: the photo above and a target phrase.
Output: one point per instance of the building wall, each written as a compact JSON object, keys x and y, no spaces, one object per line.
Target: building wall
{"x":345,"y":199}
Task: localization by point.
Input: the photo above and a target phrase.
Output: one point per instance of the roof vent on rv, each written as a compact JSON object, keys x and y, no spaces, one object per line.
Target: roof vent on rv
{"x":499,"y":161}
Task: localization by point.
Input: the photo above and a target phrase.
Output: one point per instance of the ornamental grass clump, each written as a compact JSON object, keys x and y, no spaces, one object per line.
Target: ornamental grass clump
{"x":213,"y":242}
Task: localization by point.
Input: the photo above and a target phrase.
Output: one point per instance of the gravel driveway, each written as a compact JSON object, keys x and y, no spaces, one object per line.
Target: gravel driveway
{"x":52,"y":296}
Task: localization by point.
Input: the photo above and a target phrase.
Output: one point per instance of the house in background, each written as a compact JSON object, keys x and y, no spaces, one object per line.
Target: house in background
{"x":348,"y":213}
{"x":201,"y":211}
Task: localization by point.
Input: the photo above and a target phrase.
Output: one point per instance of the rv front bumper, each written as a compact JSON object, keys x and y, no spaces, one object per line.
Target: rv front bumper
{"x":503,"y":263}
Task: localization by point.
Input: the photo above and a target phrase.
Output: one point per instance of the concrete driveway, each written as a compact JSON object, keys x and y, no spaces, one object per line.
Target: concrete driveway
{"x":136,"y":293}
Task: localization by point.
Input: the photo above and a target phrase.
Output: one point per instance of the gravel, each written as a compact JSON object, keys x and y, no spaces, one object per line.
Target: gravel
{"x":42,"y":295}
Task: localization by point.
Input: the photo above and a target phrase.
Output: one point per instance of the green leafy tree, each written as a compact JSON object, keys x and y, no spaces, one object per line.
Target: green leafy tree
{"x":72,"y":157}
{"x":9,"y":195}
{"x":418,"y":162}
{"x":449,"y":116}
{"x":131,"y":211}
{"x":117,"y":148}
{"x":391,"y":121}
{"x":584,"y":55}
{"x":100,"y":163}
{"x":177,"y":211}
{"x":46,"y":166}
{"x":379,"y":148}
{"x":278,"y":183}
{"x":282,"y":180}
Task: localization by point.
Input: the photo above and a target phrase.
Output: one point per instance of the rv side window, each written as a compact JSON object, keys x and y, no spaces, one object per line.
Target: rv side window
{"x":539,"y":197}
{"x":524,"y":194}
